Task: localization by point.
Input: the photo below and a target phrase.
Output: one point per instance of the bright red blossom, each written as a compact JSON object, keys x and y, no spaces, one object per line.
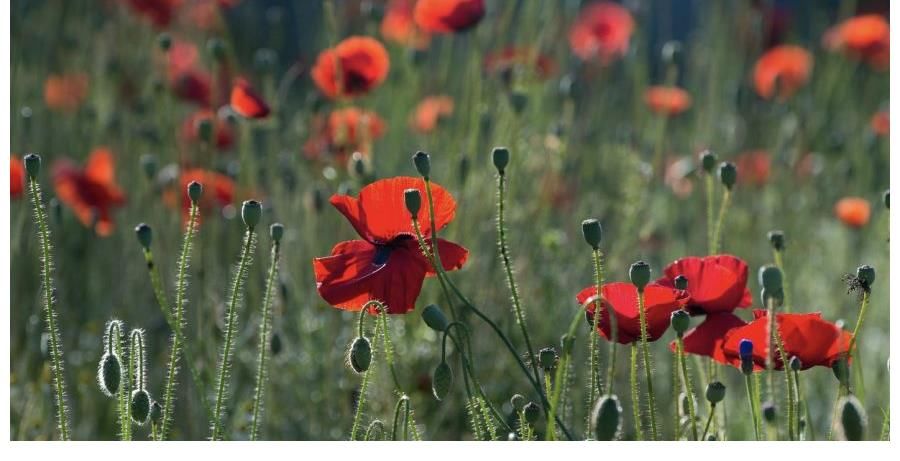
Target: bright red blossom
{"x":91,"y":192}
{"x":602,"y":31}
{"x":781,"y":71}
{"x":715,"y":283}
{"x":246,"y":101}
{"x":853,"y":211}
{"x":361,"y":62}
{"x":17,"y":177}
{"x":446,"y":16}
{"x":398,"y":25}
{"x":866,"y":37}
{"x":622,"y":298}
{"x":707,"y":338}
{"x":386,"y":265}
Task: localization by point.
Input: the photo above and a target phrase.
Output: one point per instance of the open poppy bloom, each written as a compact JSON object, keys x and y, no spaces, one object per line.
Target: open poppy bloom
{"x":387,"y":264}
{"x":755,"y":167}
{"x":622,"y":299}
{"x":246,"y":101}
{"x":354,"y":67}
{"x":881,"y":123}
{"x":399,"y":27}
{"x":865,"y":37}
{"x":667,"y":100}
{"x":814,"y":341}
{"x":430,"y":111}
{"x":91,"y":192}
{"x":16,"y":177}
{"x":716,"y":283}
{"x":853,"y":211}
{"x":510,"y":58}
{"x":781,"y":71}
{"x":707,"y":338}
{"x":447,"y":16}
{"x":602,"y":31}
{"x":66,"y":92}
{"x":159,"y":12}
{"x":223,"y":134}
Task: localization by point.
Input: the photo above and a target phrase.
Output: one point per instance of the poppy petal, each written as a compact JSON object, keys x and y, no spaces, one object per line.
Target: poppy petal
{"x":706,"y":339}
{"x":246,"y":101}
{"x":453,"y":256}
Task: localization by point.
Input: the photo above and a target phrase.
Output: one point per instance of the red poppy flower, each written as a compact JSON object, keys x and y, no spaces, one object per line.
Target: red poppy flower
{"x":218,"y":192}
{"x":246,"y":101}
{"x":602,"y":31}
{"x":91,"y":192}
{"x":715,"y":283}
{"x":667,"y":100}
{"x":223,"y":134}
{"x":65,"y":92}
{"x":17,"y":177}
{"x":781,"y":71}
{"x":755,"y":167}
{"x":446,"y":16}
{"x":528,"y":58}
{"x":387,"y":264}
{"x":814,"y":341}
{"x":361,"y":62}
{"x":707,"y":338}
{"x":343,"y":132}
{"x":158,"y":12}
{"x":430,"y":111}
{"x":881,"y":123}
{"x":188,"y":81}
{"x":399,"y":27}
{"x":853,"y":211}
{"x":622,"y":298}
{"x":865,"y":37}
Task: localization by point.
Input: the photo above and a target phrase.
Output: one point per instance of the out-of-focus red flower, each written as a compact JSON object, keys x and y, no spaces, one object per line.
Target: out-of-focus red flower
{"x":345,"y":131}
{"x":354,"y":67}
{"x":781,"y":71}
{"x":188,"y":81}
{"x":678,"y":176}
{"x":65,"y":92}
{"x":755,"y":167}
{"x":707,"y":338}
{"x":881,"y":123}
{"x":91,"y":191}
{"x":16,"y":177}
{"x":159,"y":12}
{"x":602,"y":31}
{"x":448,"y":16}
{"x":622,"y":298}
{"x":430,"y":111}
{"x":204,"y":14}
{"x":399,"y":27}
{"x":528,"y":58}
{"x":667,"y":100}
{"x":865,"y":37}
{"x":246,"y":101}
{"x":808,"y":337}
{"x":218,"y":192}
{"x":716,"y":283}
{"x":223,"y":134}
{"x":386,"y":265}
{"x":853,"y":211}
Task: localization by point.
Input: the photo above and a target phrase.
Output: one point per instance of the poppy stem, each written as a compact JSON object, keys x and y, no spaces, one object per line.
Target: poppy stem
{"x":859,"y":321}
{"x":402,"y":403}
{"x":716,"y":239}
{"x":688,"y":390}
{"x":125,"y":391}
{"x":262,"y":362}
{"x":648,"y":373}
{"x":779,"y":263}
{"x":367,"y":376}
{"x":388,"y":347}
{"x":712,"y":413}
{"x":752,"y":400}
{"x":635,"y":395}
{"x":595,"y":385}
{"x":710,"y":198}
{"x":809,"y":422}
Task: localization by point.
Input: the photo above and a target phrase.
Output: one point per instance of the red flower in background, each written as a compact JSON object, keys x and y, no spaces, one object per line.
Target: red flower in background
{"x":345,"y":131}
{"x":865,"y":37}
{"x":707,"y":338}
{"x":65,"y":92}
{"x":159,"y":12}
{"x":218,"y":191}
{"x":223,"y":134}
{"x":622,"y":298}
{"x":528,"y":58}
{"x":667,"y":100}
{"x":188,"y":81}
{"x":715,"y":283}
{"x":387,"y":264}
{"x":446,"y":16}
{"x":399,"y":27}
{"x":91,"y":192}
{"x":361,"y":62}
{"x":430,"y":111}
{"x":755,"y":167}
{"x":853,"y":211}
{"x":602,"y":31}
{"x":814,"y":341}
{"x":246,"y":101}
{"x":16,"y":177}
{"x":781,"y":71}
{"x":881,"y":123}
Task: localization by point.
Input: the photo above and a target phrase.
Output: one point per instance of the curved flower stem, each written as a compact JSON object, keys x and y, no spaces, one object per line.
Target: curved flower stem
{"x":635,"y":395}
{"x":716,"y":239}
{"x":859,"y":321}
{"x":408,"y":424}
{"x":561,"y":370}
{"x":712,"y":413}
{"x":262,"y":363}
{"x":751,"y":399}
{"x":388,"y":347}
{"x":710,"y":198}
{"x":688,"y":390}
{"x":648,"y":373}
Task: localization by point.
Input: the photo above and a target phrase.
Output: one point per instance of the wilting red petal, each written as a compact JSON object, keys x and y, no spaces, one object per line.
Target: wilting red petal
{"x":246,"y":102}
{"x":445,"y":16}
{"x":622,"y":298}
{"x":782,"y":71}
{"x":716,"y":283}
{"x":16,"y":178}
{"x":363,"y":63}
{"x":706,"y":339}
{"x":602,"y":31}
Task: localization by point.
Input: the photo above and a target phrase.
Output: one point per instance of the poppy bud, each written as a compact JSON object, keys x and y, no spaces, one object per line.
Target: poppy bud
{"x":441,"y":380}
{"x":672,"y":52}
{"x":768,"y":411}
{"x":567,"y":343}
{"x":205,"y":129}
{"x":887,"y":199}
{"x":841,"y":371}
{"x":360,"y":354}
{"x":640,"y":275}
{"x":708,"y":161}
{"x":853,"y":418}
{"x":150,"y":165}
{"x":140,"y":406}
{"x":164,"y":41}
{"x":517,"y":401}
{"x":532,"y":412}
{"x":681,"y":321}
{"x":681,"y":282}
{"x":276,"y":231}
{"x":144,"y":235}
{"x":715,"y":392}
{"x":795,"y":363}
{"x":500,"y":157}
{"x":593,"y":232}
{"x":547,"y":357}
{"x":275,"y":344}
{"x":195,"y":190}
{"x":770,"y":278}
{"x":866,"y":274}
{"x":32,"y":165}
{"x":745,"y":350}
{"x":518,"y":100}
{"x":155,"y":412}
{"x":109,"y":374}
{"x":251,"y":212}
{"x":776,"y":238}
{"x":434,"y":317}
{"x":711,"y":438}
{"x":728,"y":174}
{"x":607,"y":418}
{"x":413,"y":200}
{"x":422,"y":161}
{"x":216,"y":48}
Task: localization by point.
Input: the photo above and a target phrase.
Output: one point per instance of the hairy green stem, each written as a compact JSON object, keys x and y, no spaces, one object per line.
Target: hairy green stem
{"x":712,"y":413}
{"x":594,"y":384}
{"x":635,"y":395}
{"x":717,"y":233}
{"x":648,"y":373}
{"x":751,"y":399}
{"x":710,"y":197}
{"x":688,"y":390}
{"x":779,"y":262}
{"x":262,"y":362}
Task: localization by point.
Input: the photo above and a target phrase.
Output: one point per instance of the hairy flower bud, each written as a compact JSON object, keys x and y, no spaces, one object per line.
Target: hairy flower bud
{"x":32,"y":165}
{"x":532,"y":412}
{"x":606,"y":418}
{"x":708,"y":161}
{"x":728,"y":174}
{"x":593,"y":232}
{"x":853,"y":418}
{"x":715,"y":392}
{"x":360,"y":354}
{"x":866,"y":274}
{"x":500,"y":157}
{"x":422,"y":161}
{"x":140,"y":406}
{"x":681,"y":282}
{"x":547,"y":357}
{"x":795,"y":363}
{"x":413,"y":200}
{"x":276,"y":231}
{"x":441,"y":380}
{"x":639,"y":274}
{"x":769,"y":411}
{"x":681,"y":321}
{"x":434,"y":317}
{"x":109,"y":374}
{"x":770,"y":278}
{"x":518,"y":402}
{"x":195,"y":191}
{"x":251,"y":212}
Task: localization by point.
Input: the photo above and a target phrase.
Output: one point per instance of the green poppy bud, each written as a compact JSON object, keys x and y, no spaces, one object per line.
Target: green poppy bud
{"x":413,"y":199}
{"x":155,"y":412}
{"x":841,"y":370}
{"x":517,"y":401}
{"x":150,"y":165}
{"x":109,"y":374}
{"x":769,"y":411}
{"x":441,"y":380}
{"x":205,"y":129}
{"x":144,"y":235}
{"x":887,"y":199}
{"x":728,"y":174}
{"x":795,"y":363}
{"x":639,"y":275}
{"x":422,"y":161}
{"x":593,"y":232}
{"x":672,"y":52}
{"x":866,"y":274}
{"x":532,"y":412}
{"x":770,"y":278}
{"x":500,"y":157}
{"x":853,"y":418}
{"x":195,"y":191}
{"x":547,"y":357}
{"x":681,"y":321}
{"x":606,"y":418}
{"x":708,"y":161}
{"x":276,"y":231}
{"x":715,"y":392}
{"x":32,"y":165}
{"x":360,"y":354}
{"x":164,"y":41}
{"x":434,"y":317}
{"x":216,"y":48}
{"x":140,"y":407}
{"x":251,"y":212}
{"x":776,"y":238}
{"x":681,"y":282}
{"x":518,"y":100}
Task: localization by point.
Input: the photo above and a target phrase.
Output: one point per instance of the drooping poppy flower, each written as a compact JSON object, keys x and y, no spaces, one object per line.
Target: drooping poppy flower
{"x":504,"y":62}
{"x":16,"y":177}
{"x":246,"y":101}
{"x":218,"y":192}
{"x":448,"y":16}
{"x":716,"y":283}
{"x":91,"y":192}
{"x":222,"y":133}
{"x":707,"y":338}
{"x":399,"y":27}
{"x":755,"y":167}
{"x":354,"y":67}
{"x":622,"y":299}
{"x":865,"y":37}
{"x":814,"y":341}
{"x":602,"y":31}
{"x":430,"y":111}
{"x":159,"y":12}
{"x":65,"y":92}
{"x":667,"y":100}
{"x":781,"y":71}
{"x":881,"y":123}
{"x":853,"y":211}
{"x":386,"y":265}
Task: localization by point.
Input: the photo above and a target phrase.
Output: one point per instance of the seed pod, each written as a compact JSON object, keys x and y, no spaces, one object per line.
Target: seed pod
{"x":672,"y":51}
{"x":795,"y":363}
{"x":144,"y":235}
{"x":866,"y":274}
{"x":413,"y":200}
{"x":518,"y":100}
{"x":360,"y":354}
{"x":140,"y":406}
{"x":770,"y":278}
{"x":195,"y":191}
{"x":422,"y":161}
{"x":32,"y":165}
{"x":276,"y":231}
{"x":517,"y":401}
{"x":150,"y":165}
{"x":547,"y":357}
{"x":768,"y":410}
{"x":434,"y":317}
{"x":728,"y":174}
{"x":853,"y":418}
{"x":681,"y":282}
{"x":500,"y":157}
{"x":715,"y":392}
{"x":109,"y":374}
{"x":776,"y":238}
{"x":639,"y":274}
{"x":155,"y":412}
{"x":607,"y":418}
{"x":532,"y":412}
{"x":592,"y":231}
{"x":164,"y":41}
{"x":441,"y":380}
{"x":841,"y":370}
{"x":708,"y":160}
{"x":681,"y":321}
{"x":251,"y":212}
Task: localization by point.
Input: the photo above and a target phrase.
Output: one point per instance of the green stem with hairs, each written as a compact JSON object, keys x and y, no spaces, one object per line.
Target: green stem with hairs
{"x":594,"y":385}
{"x":635,"y":395}
{"x":648,"y":374}
{"x":859,"y":321}
{"x":717,"y":233}
{"x":688,"y":390}
{"x":710,"y":197}
{"x":262,"y":362}
{"x":779,"y":263}
{"x":712,"y":413}
{"x":367,"y":375}
{"x":751,"y":398}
